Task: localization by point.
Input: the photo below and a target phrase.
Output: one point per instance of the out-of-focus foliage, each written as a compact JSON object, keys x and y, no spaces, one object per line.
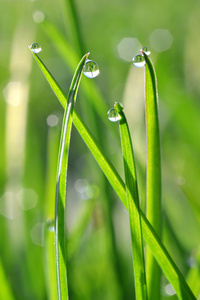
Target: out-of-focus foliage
{"x":113,"y":31}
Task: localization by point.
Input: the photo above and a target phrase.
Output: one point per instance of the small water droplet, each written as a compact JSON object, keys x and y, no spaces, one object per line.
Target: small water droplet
{"x":145,"y":50}
{"x":91,"y":69}
{"x":139,"y":61}
{"x":51,"y":225}
{"x":113,"y":115}
{"x":35,"y":47}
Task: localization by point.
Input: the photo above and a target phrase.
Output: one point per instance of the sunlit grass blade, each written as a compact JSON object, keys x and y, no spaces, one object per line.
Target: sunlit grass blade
{"x":162,"y":256}
{"x":49,"y":259}
{"x":153,"y":175}
{"x":133,"y":209}
{"x":5,"y":290}
{"x":49,"y":212}
{"x":61,"y":183}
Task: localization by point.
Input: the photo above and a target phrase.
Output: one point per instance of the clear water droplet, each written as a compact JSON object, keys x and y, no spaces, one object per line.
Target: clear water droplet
{"x":91,"y":69}
{"x":35,"y":47}
{"x":51,"y":226}
{"x":113,"y":115}
{"x":139,"y":61}
{"x":145,"y":50}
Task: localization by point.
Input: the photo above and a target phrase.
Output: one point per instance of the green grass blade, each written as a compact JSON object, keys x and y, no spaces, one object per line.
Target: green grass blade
{"x":134,"y":210}
{"x":162,"y":256}
{"x":166,"y":263}
{"x":61,"y":183}
{"x":49,"y":211}
{"x":153,"y":175}
{"x":5,"y":290}
{"x":49,"y":258}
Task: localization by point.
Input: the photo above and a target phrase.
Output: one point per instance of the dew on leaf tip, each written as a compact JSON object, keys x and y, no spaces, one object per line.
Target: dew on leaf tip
{"x":139,"y":61}
{"x":91,"y":69}
{"x":145,"y":50}
{"x":113,"y":115}
{"x":35,"y":48}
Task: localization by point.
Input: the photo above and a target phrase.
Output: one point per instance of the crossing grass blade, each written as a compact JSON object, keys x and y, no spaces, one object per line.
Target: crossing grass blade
{"x":61,"y":178}
{"x":153,"y":175}
{"x":160,"y":253}
{"x":134,"y":210}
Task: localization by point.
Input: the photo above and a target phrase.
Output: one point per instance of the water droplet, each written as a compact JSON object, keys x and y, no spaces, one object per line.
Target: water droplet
{"x":51,"y":226}
{"x":145,"y":50}
{"x":35,"y":47}
{"x":113,"y":115}
{"x":91,"y":69}
{"x":139,"y":61}
{"x":118,"y":106}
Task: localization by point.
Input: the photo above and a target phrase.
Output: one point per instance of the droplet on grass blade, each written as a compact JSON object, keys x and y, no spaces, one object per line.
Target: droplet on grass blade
{"x":91,"y":69}
{"x":145,"y":50}
{"x":35,"y":48}
{"x":51,"y":225}
{"x":113,"y":115}
{"x":139,"y":61}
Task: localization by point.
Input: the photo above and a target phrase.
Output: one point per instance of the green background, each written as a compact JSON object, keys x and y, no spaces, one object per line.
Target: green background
{"x":100,"y":266}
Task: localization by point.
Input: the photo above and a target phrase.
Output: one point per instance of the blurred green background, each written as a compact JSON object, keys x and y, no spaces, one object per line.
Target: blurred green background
{"x":100,"y":264}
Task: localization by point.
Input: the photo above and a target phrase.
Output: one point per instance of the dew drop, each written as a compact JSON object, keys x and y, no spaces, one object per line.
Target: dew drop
{"x":91,"y":69}
{"x":139,"y":61}
{"x":51,"y":226}
{"x":113,"y":115}
{"x":145,"y":50}
{"x":35,"y":48}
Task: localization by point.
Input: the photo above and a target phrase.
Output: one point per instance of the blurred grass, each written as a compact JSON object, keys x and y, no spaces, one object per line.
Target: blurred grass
{"x":23,"y":156}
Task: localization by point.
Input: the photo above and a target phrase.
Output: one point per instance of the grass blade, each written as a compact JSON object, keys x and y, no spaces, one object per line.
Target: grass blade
{"x":162,"y":256}
{"x":153,"y":175}
{"x":61,"y":183}
{"x":5,"y":290}
{"x":49,"y":258}
{"x":49,"y":210}
{"x":134,"y":209}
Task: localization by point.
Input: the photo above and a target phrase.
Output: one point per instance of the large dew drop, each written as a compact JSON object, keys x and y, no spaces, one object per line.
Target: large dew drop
{"x":35,"y":48}
{"x":139,"y":61}
{"x":113,"y":115}
{"x":91,"y":69}
{"x":145,"y":50}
